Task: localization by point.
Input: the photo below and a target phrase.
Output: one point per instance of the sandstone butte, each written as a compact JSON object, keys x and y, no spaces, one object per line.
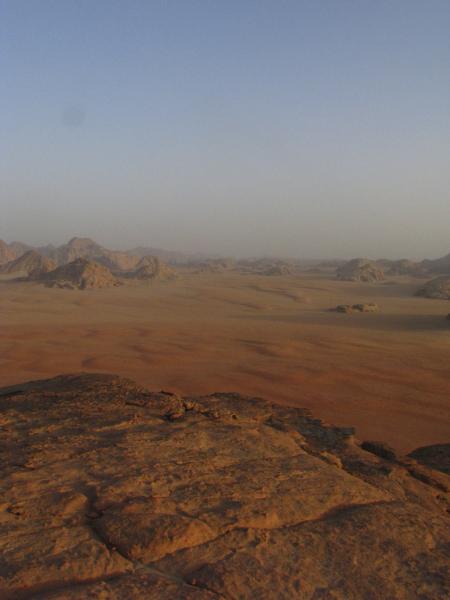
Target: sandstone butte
{"x":360,"y":269}
{"x":111,"y":491}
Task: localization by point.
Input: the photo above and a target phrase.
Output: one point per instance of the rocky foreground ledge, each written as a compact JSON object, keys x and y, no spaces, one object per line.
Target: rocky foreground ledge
{"x":110,"y":491}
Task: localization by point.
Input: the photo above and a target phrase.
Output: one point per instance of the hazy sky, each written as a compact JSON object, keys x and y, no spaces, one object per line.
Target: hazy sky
{"x":305,"y":128}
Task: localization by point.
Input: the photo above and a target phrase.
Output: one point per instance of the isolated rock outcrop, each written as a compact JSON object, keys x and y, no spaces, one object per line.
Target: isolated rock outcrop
{"x":436,"y":456}
{"x":438,"y":288}
{"x":6,"y":253}
{"x":31,"y":263}
{"x":352,"y":308}
{"x":403,"y":267}
{"x":380,"y":449}
{"x":116,"y":261}
{"x":90,"y":250}
{"x":111,"y":491}
{"x":151,"y":267}
{"x":214,"y":265}
{"x":80,"y":274}
{"x":360,"y":269}
{"x":78,"y":248}
{"x":269,"y":266}
{"x":438,"y":265}
{"x":278,"y":270}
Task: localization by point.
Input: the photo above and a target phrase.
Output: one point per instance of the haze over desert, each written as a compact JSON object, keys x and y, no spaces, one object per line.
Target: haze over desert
{"x":213,"y":327}
{"x":224,"y":300}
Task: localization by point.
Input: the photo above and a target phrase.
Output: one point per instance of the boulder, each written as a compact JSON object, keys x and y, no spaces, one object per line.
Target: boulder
{"x":352,"y":308}
{"x":436,"y":456}
{"x":380,"y":449}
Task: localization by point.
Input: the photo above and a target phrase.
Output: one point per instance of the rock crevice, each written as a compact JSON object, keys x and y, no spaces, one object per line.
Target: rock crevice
{"x":113,"y":491}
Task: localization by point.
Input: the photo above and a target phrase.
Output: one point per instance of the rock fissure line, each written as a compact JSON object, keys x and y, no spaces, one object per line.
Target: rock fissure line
{"x":176,"y":579}
{"x":309,"y":507}
{"x":49,"y":587}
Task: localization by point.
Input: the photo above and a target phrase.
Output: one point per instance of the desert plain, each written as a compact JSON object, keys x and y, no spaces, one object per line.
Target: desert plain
{"x":385,"y":373}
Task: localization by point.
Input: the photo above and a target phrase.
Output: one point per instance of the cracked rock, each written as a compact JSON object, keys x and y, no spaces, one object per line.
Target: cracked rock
{"x":111,"y":491}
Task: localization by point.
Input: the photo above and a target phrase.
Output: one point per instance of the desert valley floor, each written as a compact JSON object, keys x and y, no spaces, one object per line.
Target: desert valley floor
{"x":387,"y":373}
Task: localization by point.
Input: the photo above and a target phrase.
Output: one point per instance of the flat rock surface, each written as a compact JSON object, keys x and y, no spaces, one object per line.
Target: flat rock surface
{"x":111,"y":491}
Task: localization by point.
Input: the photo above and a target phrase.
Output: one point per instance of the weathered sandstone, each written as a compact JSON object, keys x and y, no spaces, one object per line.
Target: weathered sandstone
{"x":111,"y":491}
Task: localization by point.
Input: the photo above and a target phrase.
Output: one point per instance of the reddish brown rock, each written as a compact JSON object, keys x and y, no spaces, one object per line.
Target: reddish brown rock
{"x":438,"y":288}
{"x":6,"y":253}
{"x":352,"y":308}
{"x":88,"y":249}
{"x":80,"y":274}
{"x":32,"y":263}
{"x":380,"y":449}
{"x":360,"y":269}
{"x":151,"y":267}
{"x":106,"y":495}
{"x":436,"y":456}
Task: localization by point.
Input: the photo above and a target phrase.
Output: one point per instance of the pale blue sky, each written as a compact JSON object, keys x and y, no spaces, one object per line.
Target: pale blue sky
{"x":305,"y":128}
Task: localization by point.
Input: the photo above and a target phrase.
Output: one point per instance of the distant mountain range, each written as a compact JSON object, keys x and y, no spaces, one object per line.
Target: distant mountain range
{"x":128,"y":260}
{"x":86,"y":248}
